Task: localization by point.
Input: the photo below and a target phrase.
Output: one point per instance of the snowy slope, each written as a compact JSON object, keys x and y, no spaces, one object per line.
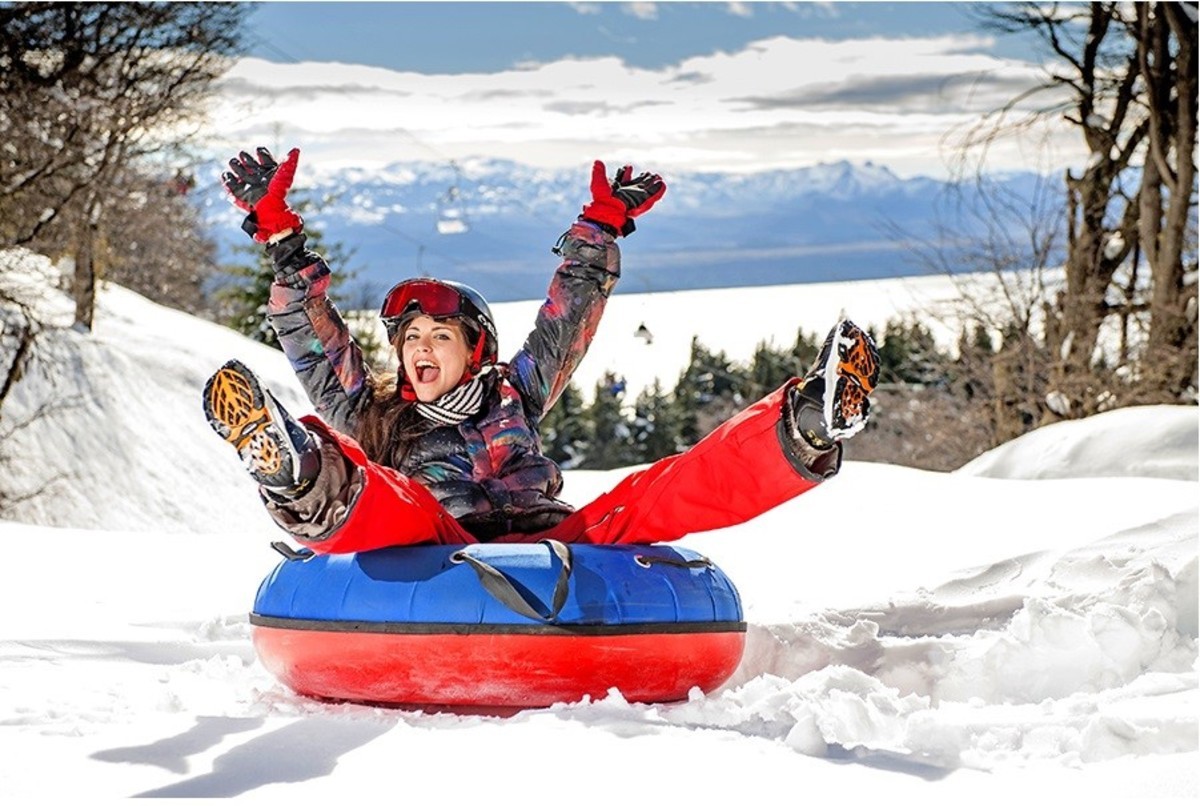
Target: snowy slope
{"x":964,"y":637}
{"x":112,"y":427}
{"x":1157,"y":441}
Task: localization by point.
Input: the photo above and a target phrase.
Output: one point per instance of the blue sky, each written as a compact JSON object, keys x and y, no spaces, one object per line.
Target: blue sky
{"x":459,"y":37}
{"x":742,"y":87}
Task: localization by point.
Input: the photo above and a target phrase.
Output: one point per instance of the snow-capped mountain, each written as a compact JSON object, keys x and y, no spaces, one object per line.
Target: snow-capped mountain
{"x":491,"y":224}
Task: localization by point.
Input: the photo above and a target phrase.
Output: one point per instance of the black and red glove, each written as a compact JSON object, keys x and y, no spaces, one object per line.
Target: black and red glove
{"x":259,"y":186}
{"x":615,"y":204}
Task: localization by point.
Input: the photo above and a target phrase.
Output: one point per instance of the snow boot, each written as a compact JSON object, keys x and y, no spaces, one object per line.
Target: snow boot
{"x":280,"y":454}
{"x":831,"y":403}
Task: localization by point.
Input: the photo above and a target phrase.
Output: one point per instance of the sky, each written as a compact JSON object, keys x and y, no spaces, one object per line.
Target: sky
{"x":467,"y":37}
{"x":1021,"y":630}
{"x":738,"y":87}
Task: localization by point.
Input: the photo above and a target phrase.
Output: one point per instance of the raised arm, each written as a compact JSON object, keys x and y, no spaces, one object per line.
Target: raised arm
{"x":590,"y":268}
{"x":326,"y":359}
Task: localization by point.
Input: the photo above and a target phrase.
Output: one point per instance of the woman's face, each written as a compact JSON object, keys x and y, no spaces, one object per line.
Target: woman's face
{"x":435,"y":356}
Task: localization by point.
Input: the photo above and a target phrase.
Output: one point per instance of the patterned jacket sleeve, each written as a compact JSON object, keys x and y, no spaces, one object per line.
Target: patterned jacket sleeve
{"x":567,"y":320}
{"x":314,"y":336}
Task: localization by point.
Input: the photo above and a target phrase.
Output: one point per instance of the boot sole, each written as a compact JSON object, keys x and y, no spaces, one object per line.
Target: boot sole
{"x":857,"y":359}
{"x":236,"y":409}
{"x":852,"y":378}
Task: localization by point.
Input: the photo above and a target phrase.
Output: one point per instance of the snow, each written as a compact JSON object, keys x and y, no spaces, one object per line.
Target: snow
{"x":1025,"y":627}
{"x":736,"y":320}
{"x":1155,"y":441}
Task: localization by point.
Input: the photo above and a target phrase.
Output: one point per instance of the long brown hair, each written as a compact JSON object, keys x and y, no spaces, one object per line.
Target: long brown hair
{"x":388,"y":424}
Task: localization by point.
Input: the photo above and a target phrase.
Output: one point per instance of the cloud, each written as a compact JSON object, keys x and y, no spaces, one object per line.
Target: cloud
{"x":781,"y":102}
{"x":643,"y":11}
{"x":809,"y":10}
{"x":694,"y":77}
{"x":913,"y":93}
{"x":501,"y":94}
{"x":600,"y":108}
{"x":739,"y":9}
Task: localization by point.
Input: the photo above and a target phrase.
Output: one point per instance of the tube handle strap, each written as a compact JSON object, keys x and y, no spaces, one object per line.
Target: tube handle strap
{"x":497,"y":583}
{"x":678,"y":562}
{"x":292,"y":554}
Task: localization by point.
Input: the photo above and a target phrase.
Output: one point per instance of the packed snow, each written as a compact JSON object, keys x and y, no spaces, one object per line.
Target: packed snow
{"x":1025,"y":627}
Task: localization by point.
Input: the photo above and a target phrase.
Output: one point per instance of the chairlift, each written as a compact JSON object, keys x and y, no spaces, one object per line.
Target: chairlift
{"x":451,"y":215}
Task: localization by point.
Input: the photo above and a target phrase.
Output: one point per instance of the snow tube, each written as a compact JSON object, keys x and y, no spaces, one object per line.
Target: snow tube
{"x":499,"y":625}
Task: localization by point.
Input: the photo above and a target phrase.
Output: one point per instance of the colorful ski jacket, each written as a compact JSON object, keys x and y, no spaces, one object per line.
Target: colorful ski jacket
{"x":489,"y":471}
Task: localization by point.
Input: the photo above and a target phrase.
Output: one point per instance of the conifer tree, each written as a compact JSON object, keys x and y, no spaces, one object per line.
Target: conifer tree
{"x":656,"y":425}
{"x":770,"y":368}
{"x":807,"y":348}
{"x":972,"y":373}
{"x":909,"y":354}
{"x":610,"y":440}
{"x":564,"y":430}
{"x":710,"y":390}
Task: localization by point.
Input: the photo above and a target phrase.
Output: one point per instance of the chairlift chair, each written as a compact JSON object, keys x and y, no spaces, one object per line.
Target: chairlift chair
{"x":451,"y":216}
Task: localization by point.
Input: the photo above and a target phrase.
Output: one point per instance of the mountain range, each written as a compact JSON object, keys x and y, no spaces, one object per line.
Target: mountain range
{"x":492,"y":224}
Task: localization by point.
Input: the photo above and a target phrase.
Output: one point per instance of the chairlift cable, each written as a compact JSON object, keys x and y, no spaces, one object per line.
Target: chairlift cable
{"x":259,"y":39}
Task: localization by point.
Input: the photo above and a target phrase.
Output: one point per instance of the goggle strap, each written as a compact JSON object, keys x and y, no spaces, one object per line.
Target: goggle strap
{"x":477,"y":356}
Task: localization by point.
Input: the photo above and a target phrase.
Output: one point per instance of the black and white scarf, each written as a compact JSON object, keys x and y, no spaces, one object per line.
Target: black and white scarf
{"x":461,"y":402}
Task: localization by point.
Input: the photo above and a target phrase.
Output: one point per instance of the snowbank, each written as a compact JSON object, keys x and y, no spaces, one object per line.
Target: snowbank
{"x":944,"y":636}
{"x":1157,"y":441}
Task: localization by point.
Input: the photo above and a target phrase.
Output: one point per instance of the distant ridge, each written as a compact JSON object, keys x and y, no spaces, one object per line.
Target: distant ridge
{"x":827,"y":222}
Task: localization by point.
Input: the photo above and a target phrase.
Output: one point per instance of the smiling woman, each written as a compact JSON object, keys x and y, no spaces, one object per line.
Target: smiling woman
{"x":447,"y":450}
{"x":435,"y":356}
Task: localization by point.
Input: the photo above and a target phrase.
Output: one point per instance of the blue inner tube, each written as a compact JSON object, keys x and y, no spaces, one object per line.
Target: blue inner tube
{"x":416,"y":588}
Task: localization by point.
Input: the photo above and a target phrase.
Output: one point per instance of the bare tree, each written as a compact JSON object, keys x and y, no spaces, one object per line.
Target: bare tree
{"x":1124,"y":76}
{"x":21,"y":346}
{"x":999,"y":244}
{"x":159,"y":246}
{"x":93,"y":96}
{"x":1166,"y":35}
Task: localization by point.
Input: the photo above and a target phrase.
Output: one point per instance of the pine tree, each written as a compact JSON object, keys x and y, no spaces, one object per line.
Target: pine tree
{"x":610,"y":440}
{"x":656,"y":425}
{"x":972,"y":372}
{"x":909,"y":354}
{"x":769,"y":369}
{"x":710,"y":390}
{"x":806,"y":349}
{"x":564,"y":429}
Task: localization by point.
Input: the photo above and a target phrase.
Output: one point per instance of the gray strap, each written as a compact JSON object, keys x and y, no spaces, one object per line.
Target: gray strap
{"x":291,"y":553}
{"x":678,"y":562}
{"x":501,"y":587}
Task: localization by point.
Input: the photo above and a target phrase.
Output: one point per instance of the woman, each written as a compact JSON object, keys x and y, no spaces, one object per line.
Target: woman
{"x":447,"y":450}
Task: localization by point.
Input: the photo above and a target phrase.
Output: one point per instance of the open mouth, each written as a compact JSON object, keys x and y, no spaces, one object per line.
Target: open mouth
{"x":427,"y":372}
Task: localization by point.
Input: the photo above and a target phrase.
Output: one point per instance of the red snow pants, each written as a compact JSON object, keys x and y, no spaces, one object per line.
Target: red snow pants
{"x":735,"y":473}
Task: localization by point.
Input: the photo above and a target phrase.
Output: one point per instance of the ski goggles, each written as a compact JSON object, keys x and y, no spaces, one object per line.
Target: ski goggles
{"x":434,"y":299}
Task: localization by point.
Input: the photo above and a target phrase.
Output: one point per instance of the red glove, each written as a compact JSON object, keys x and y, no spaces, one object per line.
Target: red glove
{"x":614,"y":205}
{"x":260,"y":187}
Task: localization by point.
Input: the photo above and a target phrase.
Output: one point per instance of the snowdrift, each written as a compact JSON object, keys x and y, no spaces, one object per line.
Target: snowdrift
{"x":1023,"y":628}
